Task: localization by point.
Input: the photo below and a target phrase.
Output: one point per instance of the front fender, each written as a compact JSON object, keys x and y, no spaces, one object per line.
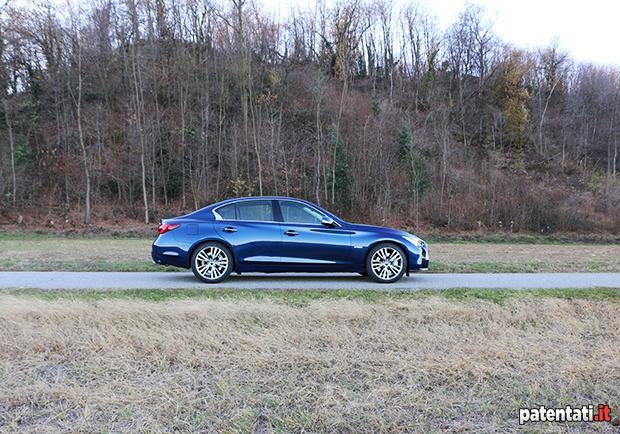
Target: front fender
{"x":413,"y":253}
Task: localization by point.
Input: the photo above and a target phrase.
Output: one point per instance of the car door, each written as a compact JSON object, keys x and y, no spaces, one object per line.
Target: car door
{"x":307,"y":245}
{"x":250,"y":227}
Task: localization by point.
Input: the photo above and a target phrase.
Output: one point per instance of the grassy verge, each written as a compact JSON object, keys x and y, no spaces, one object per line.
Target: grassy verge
{"x":9,"y":264}
{"x":230,"y":361}
{"x":492,"y":267}
{"x":519,"y":238}
{"x":303,"y":297}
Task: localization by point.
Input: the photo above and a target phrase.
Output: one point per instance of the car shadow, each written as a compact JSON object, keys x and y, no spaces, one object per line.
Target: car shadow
{"x":284,"y":277}
{"x":300,"y":276}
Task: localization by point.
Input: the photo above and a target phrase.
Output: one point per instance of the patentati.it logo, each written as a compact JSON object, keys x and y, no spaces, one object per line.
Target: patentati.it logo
{"x":585,"y":413}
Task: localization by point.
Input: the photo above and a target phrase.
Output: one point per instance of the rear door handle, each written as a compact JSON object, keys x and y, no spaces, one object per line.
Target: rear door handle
{"x":291,"y":233}
{"x":230,"y":229}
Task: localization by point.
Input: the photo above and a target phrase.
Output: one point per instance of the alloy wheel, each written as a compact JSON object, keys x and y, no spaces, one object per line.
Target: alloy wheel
{"x":387,"y":263}
{"x":211,"y":262}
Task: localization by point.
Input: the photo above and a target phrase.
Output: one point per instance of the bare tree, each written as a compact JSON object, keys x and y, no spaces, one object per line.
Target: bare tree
{"x":76,"y":96}
{"x":7,"y":117}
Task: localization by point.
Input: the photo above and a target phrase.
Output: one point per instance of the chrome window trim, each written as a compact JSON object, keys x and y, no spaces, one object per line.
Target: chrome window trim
{"x":249,"y":221}
{"x":219,"y":217}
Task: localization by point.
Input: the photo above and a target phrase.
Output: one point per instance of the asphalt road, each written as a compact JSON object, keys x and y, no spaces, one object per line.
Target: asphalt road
{"x":171,"y":280}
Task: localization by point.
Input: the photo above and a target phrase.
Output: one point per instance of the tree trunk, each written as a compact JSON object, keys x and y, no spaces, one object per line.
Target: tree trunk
{"x":139,"y":113}
{"x":78,"y":109}
{"x":87,"y":212}
{"x":337,"y":138}
{"x":317,"y":180}
{"x":12,"y":146}
{"x":542,"y":118}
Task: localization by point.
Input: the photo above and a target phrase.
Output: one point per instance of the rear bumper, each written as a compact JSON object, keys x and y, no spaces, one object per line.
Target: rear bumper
{"x":164,"y":254}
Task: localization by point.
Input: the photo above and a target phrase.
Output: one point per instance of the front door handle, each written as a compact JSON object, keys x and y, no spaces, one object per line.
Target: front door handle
{"x":230,"y":229}
{"x":291,"y":233}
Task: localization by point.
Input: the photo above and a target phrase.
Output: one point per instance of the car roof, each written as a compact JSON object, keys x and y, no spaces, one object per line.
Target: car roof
{"x":207,"y":211}
{"x":238,"y":199}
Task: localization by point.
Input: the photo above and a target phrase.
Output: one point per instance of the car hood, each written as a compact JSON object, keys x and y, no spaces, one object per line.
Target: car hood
{"x":377,"y":229}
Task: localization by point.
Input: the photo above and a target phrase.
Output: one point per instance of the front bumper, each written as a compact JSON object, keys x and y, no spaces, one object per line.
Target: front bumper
{"x":423,"y":259}
{"x":425,"y":264}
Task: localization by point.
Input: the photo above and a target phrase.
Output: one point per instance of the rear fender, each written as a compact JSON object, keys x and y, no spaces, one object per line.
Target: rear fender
{"x":206,"y":240}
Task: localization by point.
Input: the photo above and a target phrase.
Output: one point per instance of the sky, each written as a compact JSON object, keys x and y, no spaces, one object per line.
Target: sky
{"x":588,"y":29}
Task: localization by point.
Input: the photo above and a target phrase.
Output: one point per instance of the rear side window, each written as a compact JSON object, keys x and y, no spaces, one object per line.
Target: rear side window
{"x":258,"y":210}
{"x":227,"y":212}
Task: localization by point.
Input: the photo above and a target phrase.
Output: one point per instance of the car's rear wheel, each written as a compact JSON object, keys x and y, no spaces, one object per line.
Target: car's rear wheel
{"x":212,"y":262}
{"x":386,"y":263}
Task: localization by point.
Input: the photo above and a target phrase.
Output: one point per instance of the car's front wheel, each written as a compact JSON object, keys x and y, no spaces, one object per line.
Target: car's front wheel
{"x":212,"y":262}
{"x":386,"y":263}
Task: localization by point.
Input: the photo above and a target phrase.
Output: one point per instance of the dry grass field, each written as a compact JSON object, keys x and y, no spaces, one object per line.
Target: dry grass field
{"x":421,"y":364}
{"x":34,"y":252}
{"x":516,"y":257}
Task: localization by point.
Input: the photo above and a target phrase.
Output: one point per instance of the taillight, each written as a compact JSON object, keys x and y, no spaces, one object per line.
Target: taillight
{"x":166,"y":227}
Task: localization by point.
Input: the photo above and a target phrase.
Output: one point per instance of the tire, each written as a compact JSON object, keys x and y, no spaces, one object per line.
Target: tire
{"x":386,"y":263}
{"x":212,"y":262}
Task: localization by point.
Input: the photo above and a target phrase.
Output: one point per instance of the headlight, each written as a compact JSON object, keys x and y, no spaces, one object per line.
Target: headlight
{"x":414,"y":240}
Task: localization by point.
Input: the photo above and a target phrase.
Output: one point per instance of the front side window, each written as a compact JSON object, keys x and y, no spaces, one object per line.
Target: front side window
{"x":257,"y":210}
{"x":297,"y":212}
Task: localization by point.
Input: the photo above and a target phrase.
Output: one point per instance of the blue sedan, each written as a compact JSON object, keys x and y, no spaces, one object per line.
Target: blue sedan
{"x":282,"y":234}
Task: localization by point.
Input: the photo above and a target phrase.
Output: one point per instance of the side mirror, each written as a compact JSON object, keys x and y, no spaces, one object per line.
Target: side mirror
{"x":328,"y":221}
